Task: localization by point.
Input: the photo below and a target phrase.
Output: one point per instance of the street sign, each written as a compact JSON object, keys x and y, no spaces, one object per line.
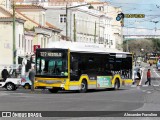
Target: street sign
{"x":35,"y":47}
{"x":134,"y":15}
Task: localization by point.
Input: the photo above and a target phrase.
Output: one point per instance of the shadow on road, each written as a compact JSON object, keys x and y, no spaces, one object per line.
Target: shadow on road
{"x":45,"y":91}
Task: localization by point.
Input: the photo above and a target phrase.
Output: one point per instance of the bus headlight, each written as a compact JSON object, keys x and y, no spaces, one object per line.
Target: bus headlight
{"x":36,"y":81}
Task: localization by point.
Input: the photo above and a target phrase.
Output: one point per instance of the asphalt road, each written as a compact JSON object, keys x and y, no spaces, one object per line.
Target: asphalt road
{"x":128,"y":98}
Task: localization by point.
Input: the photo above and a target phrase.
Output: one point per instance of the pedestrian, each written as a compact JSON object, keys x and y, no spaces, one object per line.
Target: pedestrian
{"x":138,"y":77}
{"x":148,"y":77}
{"x":150,"y":64}
{"x":5,"y":74}
{"x":134,"y":77}
{"x":32,"y":74}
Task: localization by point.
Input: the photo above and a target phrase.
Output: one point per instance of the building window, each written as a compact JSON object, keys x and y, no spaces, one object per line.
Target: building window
{"x":28,"y":46}
{"x":19,"y":41}
{"x":101,"y":8}
{"x":31,"y":45}
{"x":24,"y":44}
{"x":42,"y":42}
{"x":62,"y":18}
{"x":23,"y":39}
{"x":111,"y":42}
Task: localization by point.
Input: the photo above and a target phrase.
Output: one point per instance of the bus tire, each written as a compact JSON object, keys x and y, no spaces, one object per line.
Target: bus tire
{"x":53,"y":90}
{"x":84,"y":87}
{"x":117,"y":84}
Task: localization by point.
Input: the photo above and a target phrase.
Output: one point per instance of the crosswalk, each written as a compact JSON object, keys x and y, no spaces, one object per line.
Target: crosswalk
{"x":145,"y":85}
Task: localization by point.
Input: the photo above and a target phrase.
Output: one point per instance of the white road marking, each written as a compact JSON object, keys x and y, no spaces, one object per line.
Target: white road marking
{"x":148,"y":92}
{"x":143,"y":90}
{"x":133,"y":85}
{"x":2,"y":94}
{"x":156,"y":72}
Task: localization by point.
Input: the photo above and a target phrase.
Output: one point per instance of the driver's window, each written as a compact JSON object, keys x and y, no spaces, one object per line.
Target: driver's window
{"x":51,"y":66}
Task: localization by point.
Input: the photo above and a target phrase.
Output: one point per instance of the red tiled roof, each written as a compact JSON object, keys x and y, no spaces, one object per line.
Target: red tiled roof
{"x":29,"y":7}
{"x":27,"y":18}
{"x":18,"y":0}
{"x":5,"y":17}
{"x":98,"y":2}
{"x":51,"y":26}
{"x":6,"y":10}
{"x":66,"y":0}
{"x":10,"y":14}
{"x":38,"y":25}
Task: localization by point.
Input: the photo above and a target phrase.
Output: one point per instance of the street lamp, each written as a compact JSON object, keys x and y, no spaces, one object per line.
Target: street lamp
{"x":90,"y":7}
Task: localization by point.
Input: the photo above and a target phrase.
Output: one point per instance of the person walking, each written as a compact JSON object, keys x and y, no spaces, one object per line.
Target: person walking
{"x":148,"y":77}
{"x":32,"y":74}
{"x":5,"y":74}
{"x":138,"y":77}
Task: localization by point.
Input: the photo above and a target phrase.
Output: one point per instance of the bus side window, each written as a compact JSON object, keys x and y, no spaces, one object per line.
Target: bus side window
{"x":74,"y":66}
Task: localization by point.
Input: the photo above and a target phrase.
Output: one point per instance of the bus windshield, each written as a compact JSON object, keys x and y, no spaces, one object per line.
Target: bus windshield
{"x":51,"y":64}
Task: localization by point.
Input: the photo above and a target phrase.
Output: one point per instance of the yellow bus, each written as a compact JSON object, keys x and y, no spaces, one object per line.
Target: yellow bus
{"x":81,"y":69}
{"x":152,"y":60}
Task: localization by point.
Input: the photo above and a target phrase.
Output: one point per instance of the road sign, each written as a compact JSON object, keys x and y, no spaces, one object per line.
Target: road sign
{"x":134,"y":15}
{"x":35,"y":47}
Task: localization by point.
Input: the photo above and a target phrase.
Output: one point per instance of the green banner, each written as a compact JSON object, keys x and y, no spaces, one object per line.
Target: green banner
{"x":103,"y":81}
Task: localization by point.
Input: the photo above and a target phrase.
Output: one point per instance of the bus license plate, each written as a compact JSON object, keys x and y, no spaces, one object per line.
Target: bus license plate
{"x":49,"y":87}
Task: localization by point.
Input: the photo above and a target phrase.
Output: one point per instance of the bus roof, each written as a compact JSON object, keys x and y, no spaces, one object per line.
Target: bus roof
{"x":84,"y":47}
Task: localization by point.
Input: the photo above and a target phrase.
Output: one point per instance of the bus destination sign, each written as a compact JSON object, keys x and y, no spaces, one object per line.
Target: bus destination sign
{"x":51,"y":54}
{"x":134,"y":15}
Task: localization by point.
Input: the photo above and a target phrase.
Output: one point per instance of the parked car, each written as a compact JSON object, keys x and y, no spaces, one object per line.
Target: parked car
{"x":10,"y":83}
{"x":26,"y":82}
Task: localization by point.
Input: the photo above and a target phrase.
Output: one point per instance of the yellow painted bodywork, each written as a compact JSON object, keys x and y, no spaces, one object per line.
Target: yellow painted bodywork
{"x":65,"y":83}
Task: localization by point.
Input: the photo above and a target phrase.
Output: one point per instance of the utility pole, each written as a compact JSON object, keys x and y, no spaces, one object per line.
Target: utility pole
{"x":14,"y":48}
{"x":74,"y":35}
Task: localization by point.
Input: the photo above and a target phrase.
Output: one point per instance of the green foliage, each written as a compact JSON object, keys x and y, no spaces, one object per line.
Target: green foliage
{"x":136,"y":45}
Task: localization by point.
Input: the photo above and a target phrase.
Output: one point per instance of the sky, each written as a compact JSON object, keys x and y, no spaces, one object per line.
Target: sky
{"x":140,"y":26}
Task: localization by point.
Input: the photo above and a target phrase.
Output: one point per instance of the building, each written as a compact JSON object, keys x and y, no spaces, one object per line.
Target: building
{"x":111,"y":34}
{"x":31,"y":28}
{"x":6,"y":35}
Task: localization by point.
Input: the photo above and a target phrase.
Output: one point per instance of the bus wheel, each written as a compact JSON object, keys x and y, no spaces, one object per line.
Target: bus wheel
{"x":53,"y":90}
{"x":117,"y":84}
{"x":83,"y":87}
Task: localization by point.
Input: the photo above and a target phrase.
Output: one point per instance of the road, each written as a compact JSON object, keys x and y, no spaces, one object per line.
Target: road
{"x":128,"y":98}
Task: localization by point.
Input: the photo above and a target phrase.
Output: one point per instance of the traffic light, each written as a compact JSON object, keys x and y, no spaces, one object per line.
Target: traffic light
{"x":120,"y":16}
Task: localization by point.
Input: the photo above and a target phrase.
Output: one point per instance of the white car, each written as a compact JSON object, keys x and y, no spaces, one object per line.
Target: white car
{"x":10,"y":83}
{"x":26,"y":82}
